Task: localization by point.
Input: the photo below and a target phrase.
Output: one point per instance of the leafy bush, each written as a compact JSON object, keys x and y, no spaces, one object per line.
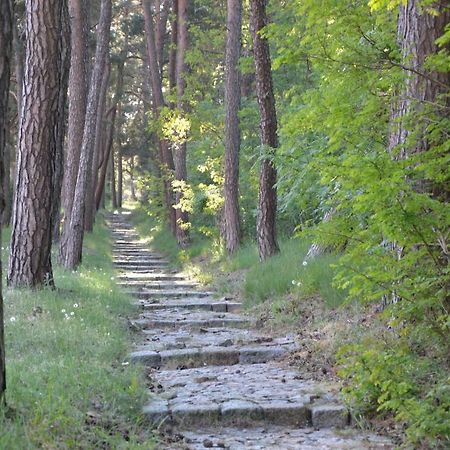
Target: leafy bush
{"x":395,"y":380}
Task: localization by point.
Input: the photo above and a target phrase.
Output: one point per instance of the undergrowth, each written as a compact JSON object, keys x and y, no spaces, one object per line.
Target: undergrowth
{"x":68,"y":387}
{"x":389,"y":372}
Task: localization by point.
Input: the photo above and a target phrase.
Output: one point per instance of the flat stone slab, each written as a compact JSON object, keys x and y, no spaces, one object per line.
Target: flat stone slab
{"x":191,"y":323}
{"x":143,"y":277}
{"x":281,"y":438}
{"x":245,"y":394}
{"x":157,"y":285}
{"x":140,"y":265}
{"x":159,"y":340}
{"x":169,"y":293}
{"x":185,"y":318}
{"x":203,"y":304}
{"x":208,"y":356}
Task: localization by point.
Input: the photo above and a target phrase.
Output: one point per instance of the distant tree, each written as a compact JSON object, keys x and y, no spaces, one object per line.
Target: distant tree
{"x":267,"y":210}
{"x":180,"y":148}
{"x":73,"y":234}
{"x":99,"y":151}
{"x":232,"y":226}
{"x":6,"y":37}
{"x":78,"y":89}
{"x":60,"y":130}
{"x":30,"y":258}
{"x":165,"y":154}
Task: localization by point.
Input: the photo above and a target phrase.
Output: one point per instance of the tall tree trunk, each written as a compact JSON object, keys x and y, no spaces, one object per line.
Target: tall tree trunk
{"x":60,"y":131}
{"x":110,"y":135}
{"x":74,"y":234}
{"x":119,"y":159}
{"x":98,"y":151}
{"x":107,"y":149}
{"x":6,"y":36}
{"x":231,"y":216}
{"x":173,"y":47}
{"x":267,"y":210}
{"x":132,"y":186}
{"x":162,"y":8}
{"x":6,"y":183}
{"x":182,"y":218}
{"x":417,"y":31}
{"x":78,"y":89}
{"x":166,"y":157}
{"x":112,"y":173}
{"x":30,"y":261}
{"x":9,"y":153}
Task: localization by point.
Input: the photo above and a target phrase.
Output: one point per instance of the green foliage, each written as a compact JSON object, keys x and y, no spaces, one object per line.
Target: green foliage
{"x":391,"y":215}
{"x":416,"y":389}
{"x":67,"y":386}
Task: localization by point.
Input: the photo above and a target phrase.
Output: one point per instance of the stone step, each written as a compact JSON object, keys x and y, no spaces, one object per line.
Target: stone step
{"x":137,"y":253}
{"x":159,"y":340}
{"x":141,"y":266}
{"x":139,"y":262}
{"x":150,"y":277}
{"x":133,"y":271}
{"x":209,"y":356}
{"x":172,"y":293}
{"x":191,"y":303}
{"x":119,"y":246}
{"x":149,"y":323}
{"x":140,"y":255}
{"x":244,"y":395}
{"x":158,"y":285}
{"x":281,"y":438}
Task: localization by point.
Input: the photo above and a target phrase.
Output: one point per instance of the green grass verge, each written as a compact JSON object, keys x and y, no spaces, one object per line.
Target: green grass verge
{"x":67,"y":386}
{"x":279,"y":275}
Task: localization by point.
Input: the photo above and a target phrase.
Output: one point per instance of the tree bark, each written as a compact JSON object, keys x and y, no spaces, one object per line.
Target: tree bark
{"x":98,"y":151}
{"x":166,"y":157}
{"x":6,"y":37}
{"x":267,"y":211}
{"x":107,"y":149}
{"x":110,"y":137}
{"x":30,"y":259}
{"x":112,"y":174}
{"x":180,"y":149}
{"x":417,"y":32}
{"x":78,"y":88}
{"x":9,"y":154}
{"x":162,"y":14}
{"x":60,"y":131}
{"x":74,"y":234}
{"x":232,"y":225}
{"x":173,"y":47}
{"x":119,"y":159}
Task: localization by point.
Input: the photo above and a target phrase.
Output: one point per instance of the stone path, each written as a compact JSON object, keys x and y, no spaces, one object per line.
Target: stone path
{"x":218,"y":382}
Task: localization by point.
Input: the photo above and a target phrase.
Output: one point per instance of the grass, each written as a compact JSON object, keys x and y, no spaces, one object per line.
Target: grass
{"x":270,"y":280}
{"x":68,"y":387}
